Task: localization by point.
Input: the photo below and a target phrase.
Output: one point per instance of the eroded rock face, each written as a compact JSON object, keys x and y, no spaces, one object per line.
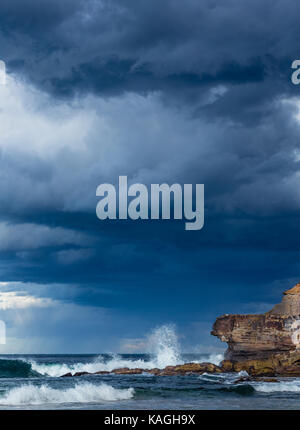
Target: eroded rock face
{"x":261,"y":336}
{"x":287,"y":364}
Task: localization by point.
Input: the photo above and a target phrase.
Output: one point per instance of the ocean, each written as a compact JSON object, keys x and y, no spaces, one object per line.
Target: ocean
{"x":34,"y":382}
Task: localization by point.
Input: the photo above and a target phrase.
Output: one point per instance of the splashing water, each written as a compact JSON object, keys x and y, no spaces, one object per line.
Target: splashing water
{"x":215,"y":358}
{"x":163,"y":344}
{"x":82,"y":393}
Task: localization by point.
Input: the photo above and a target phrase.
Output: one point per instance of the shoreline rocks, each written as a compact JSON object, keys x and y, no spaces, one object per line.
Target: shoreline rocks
{"x":181,"y":369}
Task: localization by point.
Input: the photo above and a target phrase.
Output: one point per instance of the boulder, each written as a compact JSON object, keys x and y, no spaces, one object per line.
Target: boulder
{"x":187,"y":368}
{"x":66,"y":375}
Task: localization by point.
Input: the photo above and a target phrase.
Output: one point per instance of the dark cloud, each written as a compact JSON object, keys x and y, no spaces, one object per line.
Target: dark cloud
{"x":189,"y":92}
{"x":112,"y":47}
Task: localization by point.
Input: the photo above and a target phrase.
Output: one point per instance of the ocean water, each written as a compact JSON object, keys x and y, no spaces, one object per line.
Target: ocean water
{"x":34,"y":382}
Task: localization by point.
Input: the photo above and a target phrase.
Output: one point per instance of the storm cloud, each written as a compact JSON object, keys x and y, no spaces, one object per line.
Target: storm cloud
{"x":193,"y":92}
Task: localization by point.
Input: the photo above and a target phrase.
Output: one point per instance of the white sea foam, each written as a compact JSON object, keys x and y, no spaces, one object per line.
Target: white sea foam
{"x":223,"y":378}
{"x":81,"y":393}
{"x":273,"y":387}
{"x":213,"y":358}
{"x":100,"y":364}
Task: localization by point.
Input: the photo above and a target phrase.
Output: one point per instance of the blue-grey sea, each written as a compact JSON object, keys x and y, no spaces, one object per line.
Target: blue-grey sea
{"x":34,"y":382}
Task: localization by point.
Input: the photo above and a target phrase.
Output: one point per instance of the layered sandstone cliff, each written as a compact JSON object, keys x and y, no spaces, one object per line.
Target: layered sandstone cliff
{"x":261,"y":336}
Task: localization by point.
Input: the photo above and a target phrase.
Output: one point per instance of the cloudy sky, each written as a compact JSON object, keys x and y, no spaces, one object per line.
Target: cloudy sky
{"x":187,"y":92}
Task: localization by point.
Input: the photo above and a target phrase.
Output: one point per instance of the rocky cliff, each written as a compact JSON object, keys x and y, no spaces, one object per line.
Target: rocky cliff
{"x":261,"y":336}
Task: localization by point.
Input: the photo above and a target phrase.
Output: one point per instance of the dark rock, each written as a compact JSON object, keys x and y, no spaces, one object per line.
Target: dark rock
{"x":66,"y":375}
{"x":82,"y":373}
{"x":253,"y":378}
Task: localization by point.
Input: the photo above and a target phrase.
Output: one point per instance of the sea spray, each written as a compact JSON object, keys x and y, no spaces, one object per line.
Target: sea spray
{"x":164,"y":347}
{"x":215,"y":358}
{"x":82,"y":393}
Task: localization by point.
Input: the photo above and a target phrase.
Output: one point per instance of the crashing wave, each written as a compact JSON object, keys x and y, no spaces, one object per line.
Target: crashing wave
{"x":282,"y":386}
{"x":16,"y":369}
{"x":82,"y":393}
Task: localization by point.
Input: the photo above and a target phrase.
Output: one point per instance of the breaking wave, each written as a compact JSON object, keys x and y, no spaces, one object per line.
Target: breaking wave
{"x":83,"y":393}
{"x":100,"y":364}
{"x":282,"y":386}
{"x":16,"y":369}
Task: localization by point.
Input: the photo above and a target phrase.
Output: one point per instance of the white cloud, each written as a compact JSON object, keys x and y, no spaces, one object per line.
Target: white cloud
{"x":17,"y":300}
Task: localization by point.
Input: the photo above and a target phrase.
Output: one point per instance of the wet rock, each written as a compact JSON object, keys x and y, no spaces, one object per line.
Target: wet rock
{"x":154,"y":371}
{"x":266,"y":379}
{"x":66,"y":375}
{"x":82,"y":373}
{"x":182,"y":369}
{"x":255,"y":379}
{"x":243,"y":379}
{"x":187,"y":368}
{"x":127,"y":371}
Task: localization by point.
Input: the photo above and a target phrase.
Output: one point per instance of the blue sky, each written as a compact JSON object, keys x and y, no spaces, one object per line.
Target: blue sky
{"x":193,"y":93}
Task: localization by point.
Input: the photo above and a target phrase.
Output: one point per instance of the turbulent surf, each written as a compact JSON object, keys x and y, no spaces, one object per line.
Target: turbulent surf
{"x":34,"y":381}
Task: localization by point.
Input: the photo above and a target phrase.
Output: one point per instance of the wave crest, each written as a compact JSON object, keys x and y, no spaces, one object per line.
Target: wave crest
{"x":16,"y":369}
{"x":82,"y":393}
{"x":282,"y":386}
